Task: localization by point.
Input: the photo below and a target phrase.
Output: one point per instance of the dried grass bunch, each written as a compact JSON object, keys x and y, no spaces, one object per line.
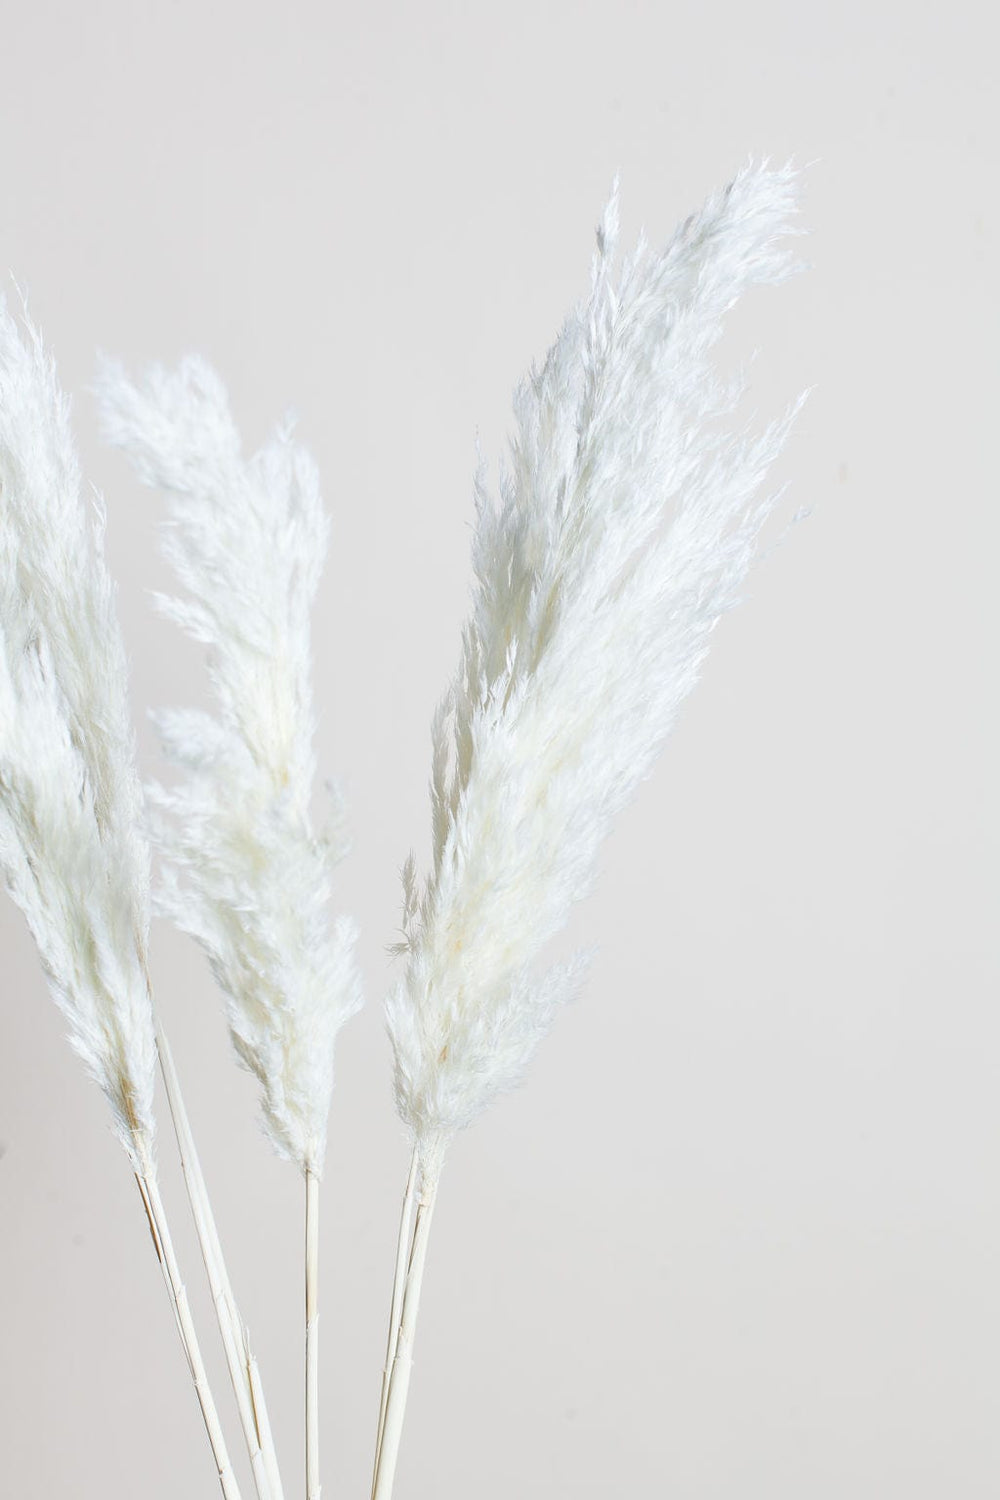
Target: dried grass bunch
{"x":622,"y":528}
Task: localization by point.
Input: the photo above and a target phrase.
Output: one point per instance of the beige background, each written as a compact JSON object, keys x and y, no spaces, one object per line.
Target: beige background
{"x":738,"y":1235}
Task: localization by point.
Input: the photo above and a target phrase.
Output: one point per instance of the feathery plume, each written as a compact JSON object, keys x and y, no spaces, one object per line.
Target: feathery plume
{"x":245,"y":873}
{"x":624,"y":527}
{"x":71,"y":852}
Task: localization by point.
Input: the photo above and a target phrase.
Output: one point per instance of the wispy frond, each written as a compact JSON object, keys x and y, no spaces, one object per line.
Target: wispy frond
{"x":623,"y":529}
{"x":70,"y":799}
{"x":245,"y":872}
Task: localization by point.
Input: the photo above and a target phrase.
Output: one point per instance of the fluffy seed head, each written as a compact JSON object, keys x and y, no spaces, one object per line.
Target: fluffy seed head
{"x":245,"y":873}
{"x":624,"y":525}
{"x":70,"y":799}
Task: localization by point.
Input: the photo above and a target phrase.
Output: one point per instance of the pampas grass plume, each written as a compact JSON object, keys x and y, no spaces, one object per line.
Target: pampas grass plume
{"x":71,"y":851}
{"x":624,"y":525}
{"x":245,"y":873}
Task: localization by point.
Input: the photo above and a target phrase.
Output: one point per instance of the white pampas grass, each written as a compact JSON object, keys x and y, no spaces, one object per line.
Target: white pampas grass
{"x":245,"y":873}
{"x":70,"y":850}
{"x":623,"y":529}
{"x":624,"y":525}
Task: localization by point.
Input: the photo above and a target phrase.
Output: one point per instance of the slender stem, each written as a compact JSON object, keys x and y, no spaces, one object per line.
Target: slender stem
{"x":402,"y":1258}
{"x":312,"y":1336}
{"x":399,"y":1377}
{"x":155,"y":1213}
{"x":235,"y":1338}
{"x":263,"y":1424}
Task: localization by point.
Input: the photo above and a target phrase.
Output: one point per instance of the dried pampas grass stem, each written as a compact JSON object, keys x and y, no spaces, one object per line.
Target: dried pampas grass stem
{"x":395,"y":1306}
{"x":312,"y":1337}
{"x":146,"y":1178}
{"x":240,"y":1360}
{"x":398,"y":1386}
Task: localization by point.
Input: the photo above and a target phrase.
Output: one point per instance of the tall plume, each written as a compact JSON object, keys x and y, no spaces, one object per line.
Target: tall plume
{"x":71,"y":852}
{"x":624,"y":526}
{"x":246,"y":875}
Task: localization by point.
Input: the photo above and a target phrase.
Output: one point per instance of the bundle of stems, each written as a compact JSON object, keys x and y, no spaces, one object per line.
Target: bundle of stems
{"x":625,"y":521}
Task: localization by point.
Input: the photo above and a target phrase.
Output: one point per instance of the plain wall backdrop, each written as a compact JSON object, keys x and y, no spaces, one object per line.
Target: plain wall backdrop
{"x":737,"y":1236}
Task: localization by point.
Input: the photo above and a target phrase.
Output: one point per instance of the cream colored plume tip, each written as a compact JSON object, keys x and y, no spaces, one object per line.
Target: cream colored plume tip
{"x":71,"y":850}
{"x":623,"y":526}
{"x":244,"y":870}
